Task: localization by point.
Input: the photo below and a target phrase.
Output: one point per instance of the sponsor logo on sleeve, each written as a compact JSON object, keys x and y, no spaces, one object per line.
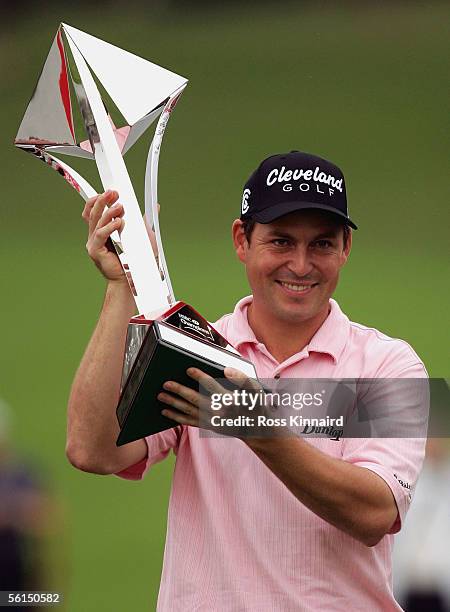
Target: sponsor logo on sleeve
{"x":404,"y":484}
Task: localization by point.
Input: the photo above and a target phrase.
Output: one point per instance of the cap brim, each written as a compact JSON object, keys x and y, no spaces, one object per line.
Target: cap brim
{"x":284,"y":208}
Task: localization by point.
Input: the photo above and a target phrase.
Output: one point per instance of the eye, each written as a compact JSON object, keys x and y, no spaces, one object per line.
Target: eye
{"x":323,"y":244}
{"x":281,"y":242}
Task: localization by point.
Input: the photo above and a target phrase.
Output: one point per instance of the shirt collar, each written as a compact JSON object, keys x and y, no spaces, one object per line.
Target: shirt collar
{"x":332,"y":335}
{"x":330,"y":338}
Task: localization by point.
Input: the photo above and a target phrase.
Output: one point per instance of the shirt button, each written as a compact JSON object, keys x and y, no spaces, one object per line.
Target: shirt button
{"x":277,"y":376}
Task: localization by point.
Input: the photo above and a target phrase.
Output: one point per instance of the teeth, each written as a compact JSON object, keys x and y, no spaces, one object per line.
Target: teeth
{"x":295,"y":287}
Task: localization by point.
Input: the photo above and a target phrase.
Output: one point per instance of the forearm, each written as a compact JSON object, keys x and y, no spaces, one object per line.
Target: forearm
{"x":92,"y":426}
{"x":351,"y":498}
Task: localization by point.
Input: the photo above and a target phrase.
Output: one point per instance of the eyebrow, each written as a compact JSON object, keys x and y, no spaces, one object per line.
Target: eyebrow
{"x":332,"y":233}
{"x":328,"y":234}
{"x":281,"y":233}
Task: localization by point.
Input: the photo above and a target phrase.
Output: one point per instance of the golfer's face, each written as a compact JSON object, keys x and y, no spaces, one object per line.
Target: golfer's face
{"x":293,"y":263}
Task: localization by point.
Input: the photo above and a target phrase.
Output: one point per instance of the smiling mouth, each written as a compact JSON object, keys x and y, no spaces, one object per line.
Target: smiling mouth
{"x":299,"y":288}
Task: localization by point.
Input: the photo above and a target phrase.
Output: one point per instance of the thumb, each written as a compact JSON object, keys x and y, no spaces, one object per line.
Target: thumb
{"x":241,"y":380}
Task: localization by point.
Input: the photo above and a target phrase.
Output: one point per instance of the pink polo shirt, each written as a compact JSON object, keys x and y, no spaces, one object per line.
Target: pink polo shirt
{"x":237,"y":539}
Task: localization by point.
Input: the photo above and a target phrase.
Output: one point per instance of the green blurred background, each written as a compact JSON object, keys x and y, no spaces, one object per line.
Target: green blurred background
{"x":361,"y":84}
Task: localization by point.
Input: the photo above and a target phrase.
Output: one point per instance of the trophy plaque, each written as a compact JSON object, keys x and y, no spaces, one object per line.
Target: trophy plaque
{"x":69,"y":116}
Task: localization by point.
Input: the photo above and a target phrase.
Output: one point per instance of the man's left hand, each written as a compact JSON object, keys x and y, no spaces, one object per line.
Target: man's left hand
{"x":187,"y":404}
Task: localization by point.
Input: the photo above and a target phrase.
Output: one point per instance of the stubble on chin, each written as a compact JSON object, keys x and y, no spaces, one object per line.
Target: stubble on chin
{"x":297,"y":313}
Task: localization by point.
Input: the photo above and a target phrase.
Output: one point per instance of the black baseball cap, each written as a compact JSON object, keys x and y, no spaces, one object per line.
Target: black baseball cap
{"x":287,"y":182}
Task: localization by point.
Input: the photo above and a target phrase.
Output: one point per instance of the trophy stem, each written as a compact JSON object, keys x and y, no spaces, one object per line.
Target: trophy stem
{"x":134,"y":249}
{"x":151,"y":187}
{"x":151,"y":213}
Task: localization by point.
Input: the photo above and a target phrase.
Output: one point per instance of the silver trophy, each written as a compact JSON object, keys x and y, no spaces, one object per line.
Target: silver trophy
{"x":68,"y":116}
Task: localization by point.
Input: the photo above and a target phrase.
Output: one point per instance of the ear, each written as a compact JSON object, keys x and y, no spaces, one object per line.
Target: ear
{"x":347,"y":248}
{"x":239,"y":240}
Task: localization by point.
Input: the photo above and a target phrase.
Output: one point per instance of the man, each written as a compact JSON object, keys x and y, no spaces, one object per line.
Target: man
{"x":274,"y":523}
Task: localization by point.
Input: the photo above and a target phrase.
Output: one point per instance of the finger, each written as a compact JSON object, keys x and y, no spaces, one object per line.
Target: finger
{"x":100,"y":236}
{"x":105,"y":199}
{"x":178,"y":403}
{"x":151,"y":235}
{"x":241,"y":380}
{"x":109,"y":214}
{"x":148,"y":226}
{"x":109,"y":243}
{"x":179,"y":417}
{"x":186,"y":393}
{"x":206,"y":382}
{"x":88,"y":207}
{"x":96,"y":211}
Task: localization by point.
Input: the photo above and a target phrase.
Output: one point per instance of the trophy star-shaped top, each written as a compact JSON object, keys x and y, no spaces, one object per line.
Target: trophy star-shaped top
{"x":48,"y":118}
{"x":84,"y":86}
{"x":135,"y":85}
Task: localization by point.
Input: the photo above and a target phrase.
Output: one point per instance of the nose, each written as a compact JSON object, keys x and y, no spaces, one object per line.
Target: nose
{"x":300,"y":262}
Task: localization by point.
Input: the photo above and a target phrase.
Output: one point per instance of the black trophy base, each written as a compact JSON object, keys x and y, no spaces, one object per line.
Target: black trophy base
{"x":165,"y":354}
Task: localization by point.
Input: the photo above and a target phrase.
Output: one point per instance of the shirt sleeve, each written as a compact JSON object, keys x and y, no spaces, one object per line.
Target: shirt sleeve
{"x":159,"y":446}
{"x":397,"y":460}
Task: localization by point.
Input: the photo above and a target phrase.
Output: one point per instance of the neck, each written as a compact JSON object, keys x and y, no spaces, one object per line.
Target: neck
{"x":283,"y":338}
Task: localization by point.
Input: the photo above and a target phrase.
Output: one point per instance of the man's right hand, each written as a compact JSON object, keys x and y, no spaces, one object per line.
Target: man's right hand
{"x":102,"y":223}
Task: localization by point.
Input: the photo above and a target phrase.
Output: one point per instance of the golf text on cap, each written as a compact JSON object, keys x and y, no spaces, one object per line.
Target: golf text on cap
{"x":283,"y":175}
